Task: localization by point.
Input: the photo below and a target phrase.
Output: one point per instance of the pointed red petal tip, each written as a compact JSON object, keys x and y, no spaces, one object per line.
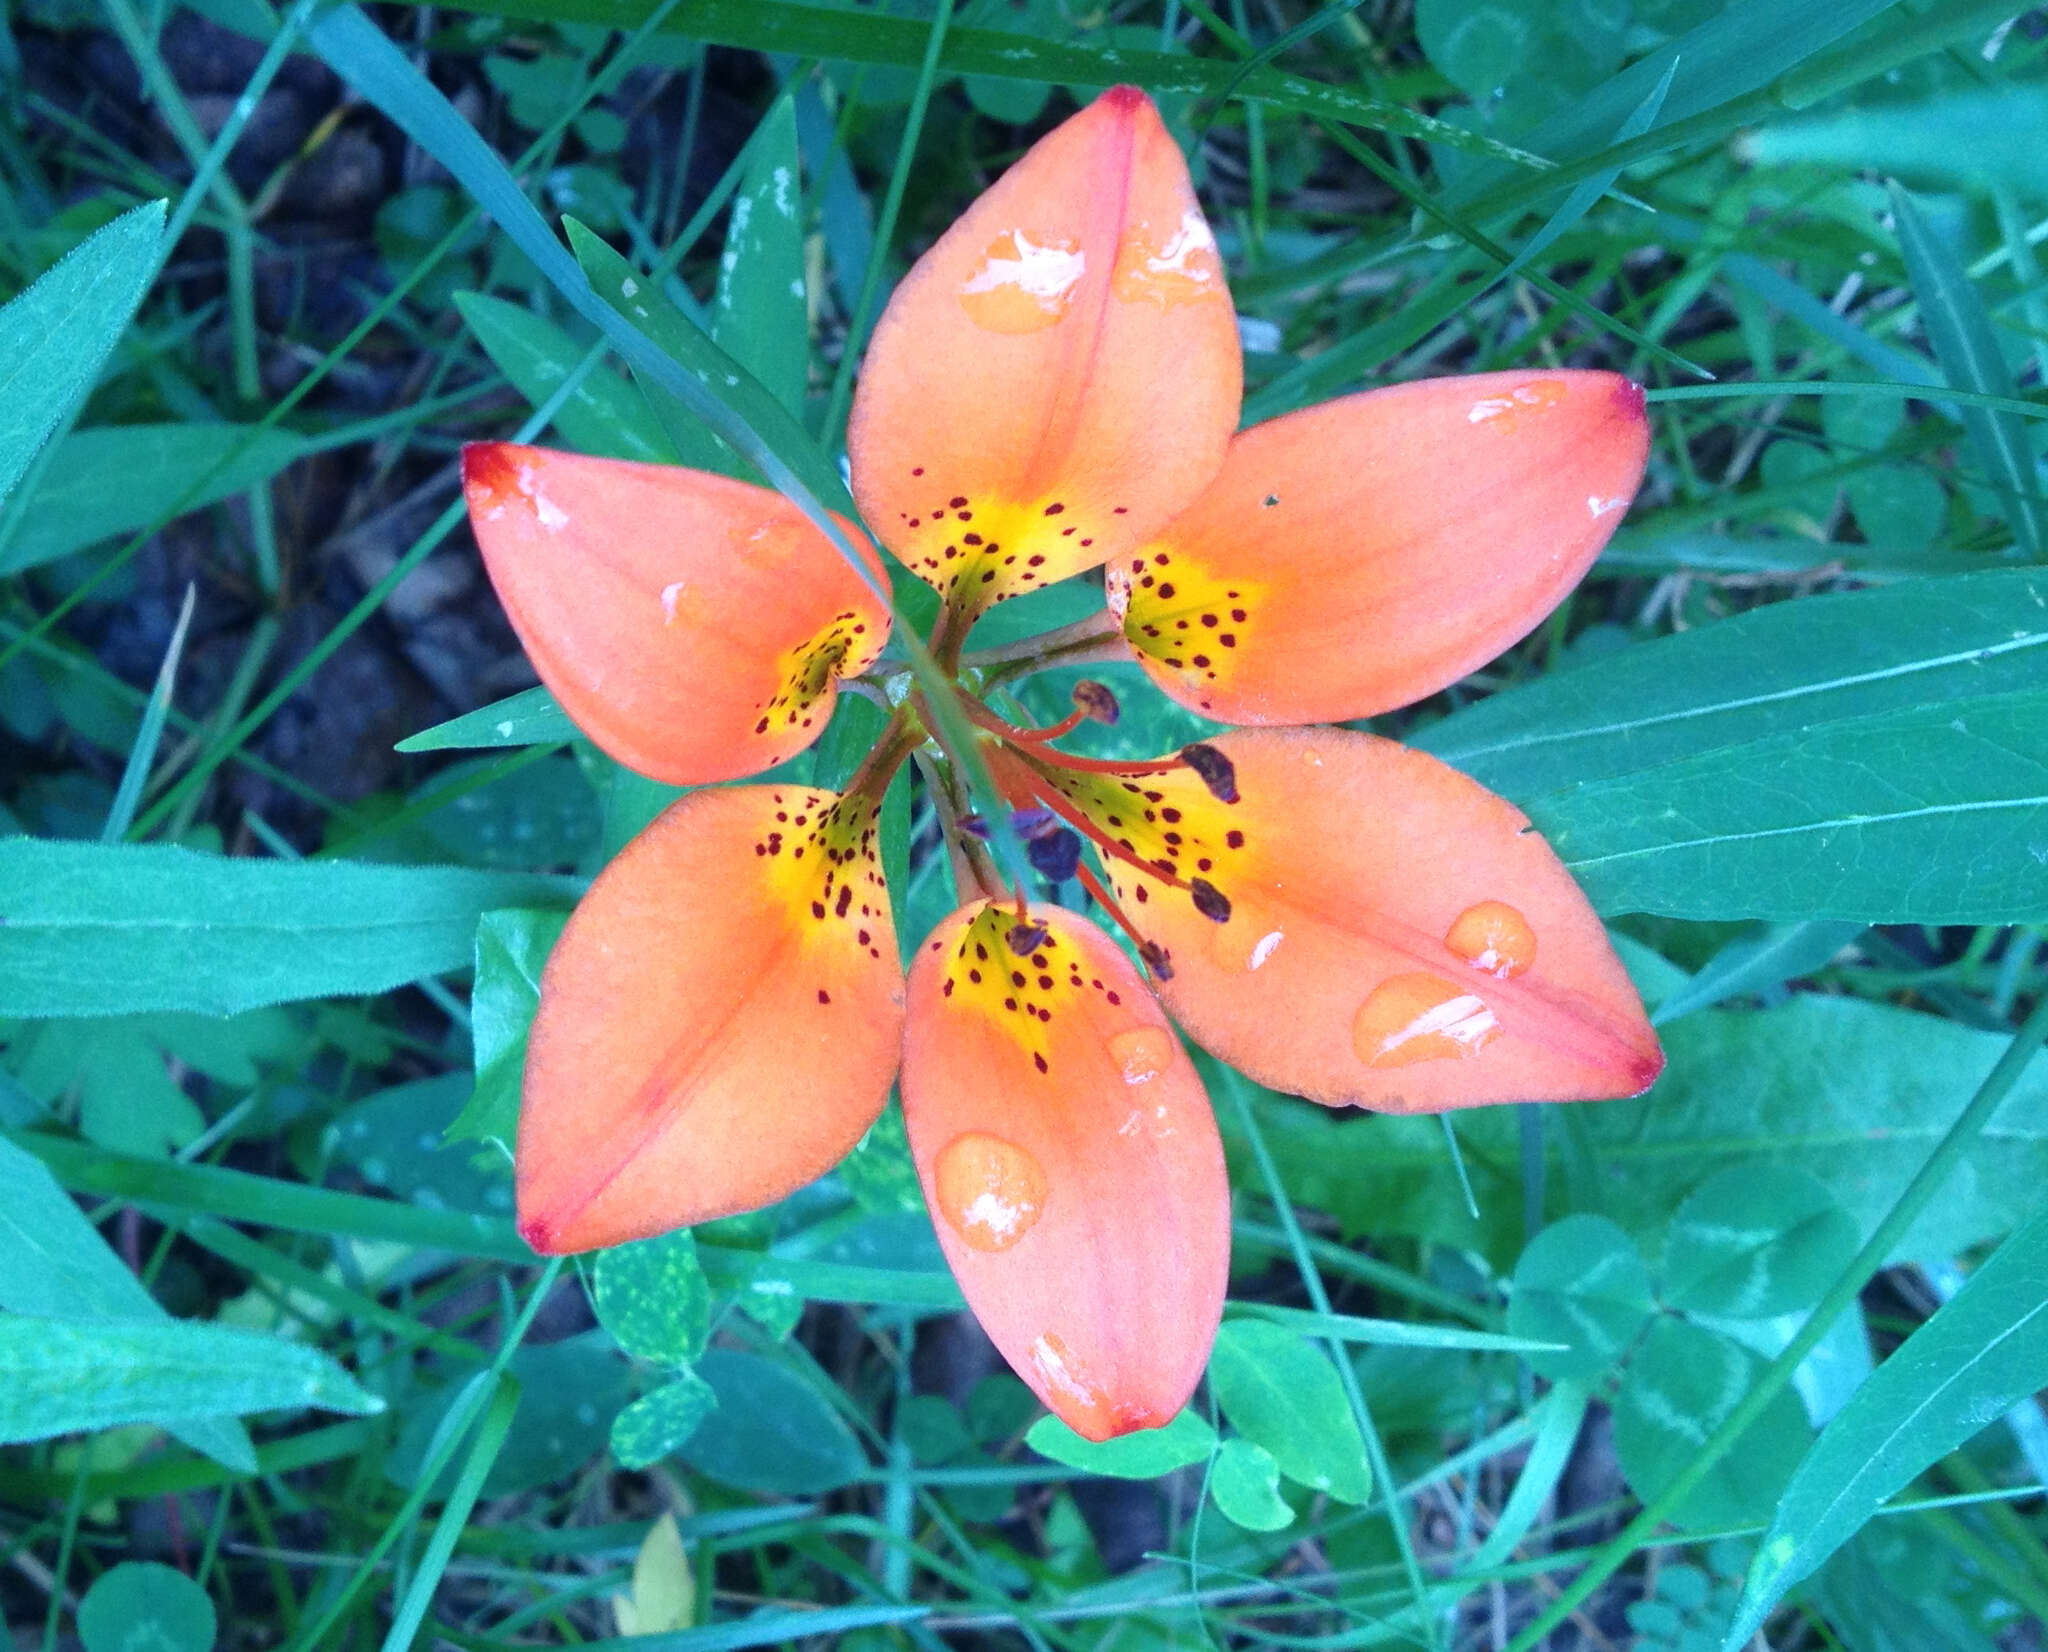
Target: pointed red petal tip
{"x":1126,"y":98}
{"x":487,"y":467}
{"x":1629,"y":398}
{"x":539,"y":1232}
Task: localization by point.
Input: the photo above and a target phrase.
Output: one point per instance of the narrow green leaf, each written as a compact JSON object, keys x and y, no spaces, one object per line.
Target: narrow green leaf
{"x":1774,"y":670}
{"x":144,"y":1606}
{"x":1582,"y":1283}
{"x":528,"y":718}
{"x":601,"y":416}
{"x":64,"y":1377}
{"x":91,"y":929}
{"x":1755,"y":1243}
{"x":1817,"y":824}
{"x":760,"y":314}
{"x":772,"y":1431}
{"x":867,"y":36}
{"x":77,"y":501}
{"x":1392,"y":1333}
{"x":1759,"y":963}
{"x":1959,"y":329}
{"x":55,"y":336}
{"x":135,"y":774}
{"x":654,"y":1299}
{"x":1563,"y":1411}
{"x":1983,"y":1352}
{"x":1245,"y":1485}
{"x":512,"y":948}
{"x":1144,"y":1455}
{"x":477,"y":1464}
{"x":1281,"y":1392}
{"x":765,"y":1628}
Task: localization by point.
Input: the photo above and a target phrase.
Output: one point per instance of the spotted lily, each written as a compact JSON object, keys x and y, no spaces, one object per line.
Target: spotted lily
{"x":1054,"y":388}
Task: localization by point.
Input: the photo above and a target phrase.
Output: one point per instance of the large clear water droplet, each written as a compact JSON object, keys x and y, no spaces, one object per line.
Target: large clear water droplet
{"x":990,"y":1191}
{"x":1493,"y":936}
{"x":1420,"y":1017}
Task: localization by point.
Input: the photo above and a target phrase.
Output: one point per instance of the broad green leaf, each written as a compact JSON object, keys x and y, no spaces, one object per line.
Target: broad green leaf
{"x":529,"y":718}
{"x":772,"y":1431}
{"x":1679,"y":1387}
{"x":1818,"y":823}
{"x":65,"y":1376}
{"x":652,"y":1296}
{"x":602,"y":415}
{"x":1245,"y":1485}
{"x":569,"y":1392}
{"x":1281,"y":1392}
{"x":1971,"y":139}
{"x":55,"y":1265}
{"x":143,"y":1606}
{"x":657,"y":1424}
{"x":1144,"y":1455}
{"x":1759,"y":963}
{"x":512,"y":948}
{"x":1856,"y":1093}
{"x":398,"y":1139}
{"x":1775,"y":670}
{"x":101,"y":483}
{"x":55,"y":336}
{"x":88,"y":928}
{"x":1581,"y":1282}
{"x":1959,"y":329}
{"x":1756,"y":1242}
{"x":760,"y":315}
{"x":1983,"y":1352}
{"x":114,"y":1072}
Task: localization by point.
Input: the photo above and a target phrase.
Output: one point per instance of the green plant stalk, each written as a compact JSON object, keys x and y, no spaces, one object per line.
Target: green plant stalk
{"x":863,"y":317}
{"x":489,"y":1384}
{"x":483,"y":1454}
{"x":1905,"y":1211}
{"x":1319,"y":1298}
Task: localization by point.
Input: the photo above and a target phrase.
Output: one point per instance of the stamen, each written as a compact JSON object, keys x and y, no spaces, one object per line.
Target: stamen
{"x":1105,"y":845}
{"x":1056,"y":855}
{"x":1025,"y":936}
{"x":1157,"y":959}
{"x":1216,"y":771}
{"x":977,"y":828}
{"x":1034,"y":822}
{"x":1116,"y":914}
{"x":1210,"y":901}
{"x":1097,"y":702}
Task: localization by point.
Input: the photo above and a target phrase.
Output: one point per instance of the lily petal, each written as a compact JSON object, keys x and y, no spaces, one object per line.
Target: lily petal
{"x":1059,"y":374}
{"x":1071,"y":1162}
{"x":1361,"y":555}
{"x":693,"y":626}
{"x":1397,"y":937}
{"x":718,"y":1024}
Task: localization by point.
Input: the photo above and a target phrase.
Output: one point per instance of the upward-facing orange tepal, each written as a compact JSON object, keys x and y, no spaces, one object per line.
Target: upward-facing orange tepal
{"x":1059,"y":374}
{"x":1362,"y":554}
{"x":1398,"y":937}
{"x":717,"y":1025}
{"x":1071,"y":1164}
{"x":693,"y":626}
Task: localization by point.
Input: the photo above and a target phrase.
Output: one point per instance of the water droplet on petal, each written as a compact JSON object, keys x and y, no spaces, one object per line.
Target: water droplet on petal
{"x":1063,"y":1373}
{"x":1142,"y":1053}
{"x":1023,"y":285}
{"x":1172,"y":268}
{"x":1510,"y":411}
{"x":1420,"y":1017}
{"x":1494,"y":937}
{"x":991,"y":1191}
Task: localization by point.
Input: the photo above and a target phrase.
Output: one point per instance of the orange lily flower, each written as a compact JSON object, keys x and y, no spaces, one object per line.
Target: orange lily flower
{"x":1055,"y":387}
